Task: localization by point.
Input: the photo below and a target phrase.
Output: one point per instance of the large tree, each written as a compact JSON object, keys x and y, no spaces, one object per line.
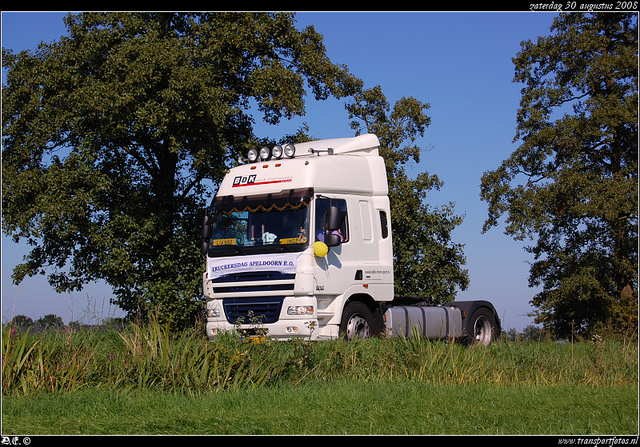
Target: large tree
{"x":571,"y":185}
{"x":427,"y":262}
{"x":110,"y":134}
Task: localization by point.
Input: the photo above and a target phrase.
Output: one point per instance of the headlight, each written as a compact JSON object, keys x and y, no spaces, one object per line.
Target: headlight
{"x":300,"y":310}
{"x":213,"y":313}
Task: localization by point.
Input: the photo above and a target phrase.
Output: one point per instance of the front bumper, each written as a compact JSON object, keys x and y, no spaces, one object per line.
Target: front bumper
{"x":286,"y":327}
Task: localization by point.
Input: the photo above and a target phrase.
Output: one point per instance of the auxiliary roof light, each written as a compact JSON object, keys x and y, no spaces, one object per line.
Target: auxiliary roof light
{"x":276,"y":152}
{"x":252,"y":155}
{"x":264,"y":154}
{"x":289,"y":150}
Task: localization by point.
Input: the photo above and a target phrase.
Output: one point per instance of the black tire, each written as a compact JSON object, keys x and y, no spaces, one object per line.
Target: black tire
{"x":481,"y":327}
{"x":357,"y":321}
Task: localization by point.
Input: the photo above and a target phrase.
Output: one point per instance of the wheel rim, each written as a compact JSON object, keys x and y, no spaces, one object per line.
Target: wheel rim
{"x":482,"y":330}
{"x":357,"y":326}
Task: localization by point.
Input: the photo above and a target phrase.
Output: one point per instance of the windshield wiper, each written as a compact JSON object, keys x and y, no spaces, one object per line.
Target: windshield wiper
{"x":285,"y":247}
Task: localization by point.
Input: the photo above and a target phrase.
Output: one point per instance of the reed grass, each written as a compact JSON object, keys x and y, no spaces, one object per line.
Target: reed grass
{"x":153,"y":357}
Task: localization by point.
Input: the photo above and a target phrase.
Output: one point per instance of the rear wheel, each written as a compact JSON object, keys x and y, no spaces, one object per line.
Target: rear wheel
{"x":357,"y":321}
{"x":481,"y":327}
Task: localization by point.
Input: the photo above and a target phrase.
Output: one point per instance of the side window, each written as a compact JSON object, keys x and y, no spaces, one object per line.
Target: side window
{"x":322,"y":205}
{"x":384,"y":225}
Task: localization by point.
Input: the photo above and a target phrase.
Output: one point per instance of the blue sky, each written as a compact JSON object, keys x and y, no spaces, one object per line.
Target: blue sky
{"x":459,"y":63}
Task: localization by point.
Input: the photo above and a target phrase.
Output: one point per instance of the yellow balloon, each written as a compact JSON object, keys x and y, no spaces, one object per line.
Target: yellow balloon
{"x":320,"y":249}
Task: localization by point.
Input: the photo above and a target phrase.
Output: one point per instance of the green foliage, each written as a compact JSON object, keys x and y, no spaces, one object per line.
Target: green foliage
{"x":21,"y":320}
{"x":426,"y":261}
{"x":50,"y":320}
{"x":155,"y":357}
{"x":17,"y":359}
{"x":572,"y":184}
{"x":110,"y":135}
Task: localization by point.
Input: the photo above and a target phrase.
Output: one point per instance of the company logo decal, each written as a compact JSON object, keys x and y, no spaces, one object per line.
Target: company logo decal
{"x":251,"y":180}
{"x":278,"y":262}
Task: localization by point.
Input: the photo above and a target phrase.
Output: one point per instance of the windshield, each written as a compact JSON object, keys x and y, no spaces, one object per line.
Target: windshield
{"x":260,"y":224}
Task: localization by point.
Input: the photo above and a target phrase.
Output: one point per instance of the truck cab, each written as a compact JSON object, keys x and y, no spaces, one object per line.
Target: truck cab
{"x":295,"y":233}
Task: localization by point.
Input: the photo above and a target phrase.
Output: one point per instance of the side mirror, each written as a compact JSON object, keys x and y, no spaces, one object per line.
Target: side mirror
{"x":332,"y":239}
{"x":207,"y":230}
{"x":333,"y":222}
{"x":206,"y":227}
{"x":333,"y":218}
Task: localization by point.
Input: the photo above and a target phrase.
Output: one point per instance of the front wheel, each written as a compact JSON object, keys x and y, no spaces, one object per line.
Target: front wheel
{"x":481,"y":327}
{"x":357,"y":321}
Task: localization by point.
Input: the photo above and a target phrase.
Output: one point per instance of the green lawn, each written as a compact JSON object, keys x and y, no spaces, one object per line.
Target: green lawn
{"x":338,"y":407}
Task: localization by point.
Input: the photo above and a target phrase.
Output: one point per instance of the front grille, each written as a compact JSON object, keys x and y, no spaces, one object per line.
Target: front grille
{"x":266,"y":309}
{"x":235,"y":283}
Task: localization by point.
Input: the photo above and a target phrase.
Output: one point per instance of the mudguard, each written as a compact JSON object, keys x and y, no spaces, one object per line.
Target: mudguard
{"x":469,"y":307}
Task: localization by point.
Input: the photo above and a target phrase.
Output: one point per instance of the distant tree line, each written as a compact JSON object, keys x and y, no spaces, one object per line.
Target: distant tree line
{"x":52,"y":320}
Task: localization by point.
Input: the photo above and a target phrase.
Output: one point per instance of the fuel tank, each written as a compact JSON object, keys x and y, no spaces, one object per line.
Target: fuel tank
{"x":428,"y":321}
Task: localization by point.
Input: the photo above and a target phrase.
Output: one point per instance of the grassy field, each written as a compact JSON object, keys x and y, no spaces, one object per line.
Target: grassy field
{"x":148,"y":380}
{"x":382,"y":407}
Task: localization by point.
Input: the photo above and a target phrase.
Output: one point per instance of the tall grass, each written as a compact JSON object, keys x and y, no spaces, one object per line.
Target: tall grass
{"x":153,"y":357}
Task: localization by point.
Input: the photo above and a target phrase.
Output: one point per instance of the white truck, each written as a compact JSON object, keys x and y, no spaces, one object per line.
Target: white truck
{"x":298,"y":244}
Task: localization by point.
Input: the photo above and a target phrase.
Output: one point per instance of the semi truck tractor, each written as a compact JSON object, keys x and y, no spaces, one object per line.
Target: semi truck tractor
{"x":298,"y":243}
